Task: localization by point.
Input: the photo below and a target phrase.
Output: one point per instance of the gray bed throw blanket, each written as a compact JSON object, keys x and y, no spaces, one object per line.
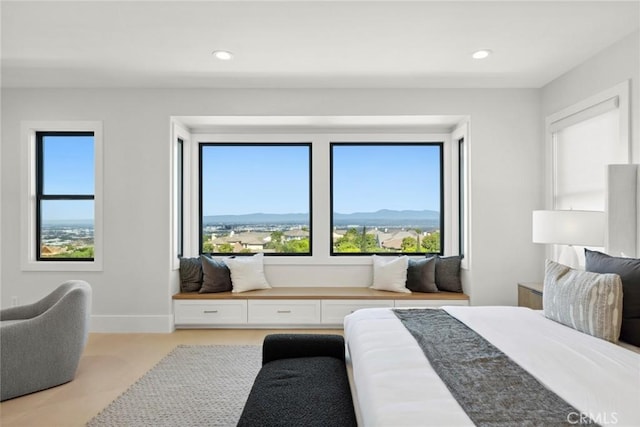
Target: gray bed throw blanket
{"x":491,"y":388}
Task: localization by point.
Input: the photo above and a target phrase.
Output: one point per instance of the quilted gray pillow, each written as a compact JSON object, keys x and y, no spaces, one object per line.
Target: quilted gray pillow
{"x":190,"y":274}
{"x":448,"y":273}
{"x":217,"y":277}
{"x":421,"y":275}
{"x":587,"y":302}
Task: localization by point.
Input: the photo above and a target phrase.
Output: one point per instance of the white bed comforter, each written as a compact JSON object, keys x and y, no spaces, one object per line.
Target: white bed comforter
{"x":396,"y":386}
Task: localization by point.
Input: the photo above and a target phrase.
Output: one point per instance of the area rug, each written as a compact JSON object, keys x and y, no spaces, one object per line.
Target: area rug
{"x":194,"y":385}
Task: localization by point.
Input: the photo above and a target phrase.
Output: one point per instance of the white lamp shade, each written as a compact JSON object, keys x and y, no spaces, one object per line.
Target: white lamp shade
{"x":580,"y":228}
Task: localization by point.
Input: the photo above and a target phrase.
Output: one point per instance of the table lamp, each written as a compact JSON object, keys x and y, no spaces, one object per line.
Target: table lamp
{"x":569,"y":227}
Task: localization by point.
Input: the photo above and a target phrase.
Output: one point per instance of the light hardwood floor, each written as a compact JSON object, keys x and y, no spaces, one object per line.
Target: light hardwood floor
{"x":109,"y":365}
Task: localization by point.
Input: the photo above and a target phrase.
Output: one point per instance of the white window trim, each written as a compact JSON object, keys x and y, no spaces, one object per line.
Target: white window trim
{"x":28,"y":196}
{"x":180,"y":132}
{"x":462,"y":132}
{"x":619,"y":94}
{"x":321,"y":190}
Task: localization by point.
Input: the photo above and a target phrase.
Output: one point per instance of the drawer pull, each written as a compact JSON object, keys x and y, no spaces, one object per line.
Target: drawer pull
{"x":284,"y":311}
{"x":210,"y":311}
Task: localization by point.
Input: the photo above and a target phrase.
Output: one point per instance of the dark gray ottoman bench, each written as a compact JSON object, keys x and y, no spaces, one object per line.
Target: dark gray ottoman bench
{"x":303,"y":382}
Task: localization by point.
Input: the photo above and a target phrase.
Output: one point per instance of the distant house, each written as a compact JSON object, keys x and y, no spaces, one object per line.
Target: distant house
{"x":295,"y":235}
{"x":51,"y":250}
{"x":395,"y":240}
{"x":251,"y":240}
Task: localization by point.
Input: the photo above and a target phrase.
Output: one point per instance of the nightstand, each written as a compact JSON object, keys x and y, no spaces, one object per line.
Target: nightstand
{"x":530,"y":295}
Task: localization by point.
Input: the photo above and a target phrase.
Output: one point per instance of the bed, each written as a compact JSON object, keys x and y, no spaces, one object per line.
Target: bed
{"x":395,"y":385}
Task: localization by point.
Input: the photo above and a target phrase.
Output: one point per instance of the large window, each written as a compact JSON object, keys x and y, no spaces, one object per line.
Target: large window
{"x":255,"y":197}
{"x":387,"y":198}
{"x":582,"y":140}
{"x":65,"y":196}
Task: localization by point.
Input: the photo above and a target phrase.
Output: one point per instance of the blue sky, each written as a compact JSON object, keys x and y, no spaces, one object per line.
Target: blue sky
{"x":68,"y":168}
{"x":274,"y":179}
{"x":251,"y":179}
{"x":398,"y":177}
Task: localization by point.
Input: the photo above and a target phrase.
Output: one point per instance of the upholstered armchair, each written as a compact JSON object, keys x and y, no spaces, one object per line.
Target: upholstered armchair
{"x":41,"y":343}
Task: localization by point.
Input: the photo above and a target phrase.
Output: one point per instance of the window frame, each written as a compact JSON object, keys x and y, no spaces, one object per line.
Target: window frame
{"x":440,"y":144}
{"x":28,"y":223}
{"x":614,"y":98}
{"x":320,"y":138}
{"x":41,"y":196}
{"x":180,"y":151}
{"x":577,"y":113}
{"x":461,"y":183}
{"x":201,"y":145}
{"x":180,"y":208}
{"x":461,"y":192}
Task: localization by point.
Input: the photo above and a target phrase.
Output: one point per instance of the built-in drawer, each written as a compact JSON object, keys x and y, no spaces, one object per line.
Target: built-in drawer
{"x":431,"y":302}
{"x":334,"y":310}
{"x":276,"y":312}
{"x":219,"y":312}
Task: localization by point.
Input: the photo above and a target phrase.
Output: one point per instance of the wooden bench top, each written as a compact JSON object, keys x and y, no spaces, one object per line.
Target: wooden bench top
{"x":322,"y":293}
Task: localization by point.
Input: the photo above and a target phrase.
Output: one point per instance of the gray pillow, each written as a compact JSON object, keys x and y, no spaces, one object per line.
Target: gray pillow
{"x":217,"y":277}
{"x":587,"y":302}
{"x":190,"y":274}
{"x":421,"y":275}
{"x":448,"y":273}
{"x":629,"y":271}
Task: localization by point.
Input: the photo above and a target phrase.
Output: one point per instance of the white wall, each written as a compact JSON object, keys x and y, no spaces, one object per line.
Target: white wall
{"x":133,"y":291}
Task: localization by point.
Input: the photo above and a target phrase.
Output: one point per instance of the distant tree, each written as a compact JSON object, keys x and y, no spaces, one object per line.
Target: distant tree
{"x":431,"y":242}
{"x":363,"y":240}
{"x":225,"y":248}
{"x":207,"y":247}
{"x":276,"y":241}
{"x":409,"y":244}
{"x":418,"y":233}
{"x":81,"y":252}
{"x":346,"y":246}
{"x":276,"y":236}
{"x":357,"y":241}
{"x":297,"y":246}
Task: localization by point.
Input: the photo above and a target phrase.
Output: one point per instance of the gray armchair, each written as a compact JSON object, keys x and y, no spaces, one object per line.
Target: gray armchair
{"x":41,"y":343}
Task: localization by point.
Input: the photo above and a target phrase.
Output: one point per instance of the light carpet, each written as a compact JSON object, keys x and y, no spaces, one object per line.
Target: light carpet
{"x":195,"y":385}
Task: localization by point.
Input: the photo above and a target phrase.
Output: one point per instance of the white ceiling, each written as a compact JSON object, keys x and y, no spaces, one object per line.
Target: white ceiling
{"x":304,"y":44}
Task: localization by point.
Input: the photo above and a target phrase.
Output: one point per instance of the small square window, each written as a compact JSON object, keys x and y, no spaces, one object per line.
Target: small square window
{"x":387,"y":198}
{"x":255,"y":198}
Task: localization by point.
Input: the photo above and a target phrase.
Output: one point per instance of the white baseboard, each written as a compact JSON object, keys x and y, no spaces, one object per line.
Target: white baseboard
{"x":132,"y":324}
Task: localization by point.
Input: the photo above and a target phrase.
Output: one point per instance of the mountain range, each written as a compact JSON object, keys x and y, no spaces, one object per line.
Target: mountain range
{"x":381,"y":217}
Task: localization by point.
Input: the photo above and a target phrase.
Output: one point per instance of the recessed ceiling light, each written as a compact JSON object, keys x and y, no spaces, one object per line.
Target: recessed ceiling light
{"x":223,"y":55}
{"x":481,"y":54}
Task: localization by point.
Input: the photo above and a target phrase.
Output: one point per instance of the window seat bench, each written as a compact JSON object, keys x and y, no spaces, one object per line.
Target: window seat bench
{"x":294,"y":307}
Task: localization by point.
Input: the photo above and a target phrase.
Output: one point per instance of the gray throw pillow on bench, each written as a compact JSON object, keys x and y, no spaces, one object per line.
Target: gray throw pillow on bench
{"x":421,"y":275}
{"x":217,"y":277}
{"x":190,"y":274}
{"x":448,"y":273}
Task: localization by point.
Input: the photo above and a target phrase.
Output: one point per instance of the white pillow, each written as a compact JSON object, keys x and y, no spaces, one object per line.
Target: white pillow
{"x":247,"y":273}
{"x":390,"y":274}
